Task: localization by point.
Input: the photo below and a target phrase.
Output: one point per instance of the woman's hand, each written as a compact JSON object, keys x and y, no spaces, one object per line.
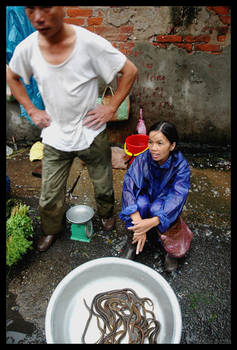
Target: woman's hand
{"x":140,"y":240}
{"x":141,"y":226}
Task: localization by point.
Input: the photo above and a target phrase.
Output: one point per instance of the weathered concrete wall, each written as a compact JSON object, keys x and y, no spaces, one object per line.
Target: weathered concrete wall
{"x":191,"y":91}
{"x":183,"y":58}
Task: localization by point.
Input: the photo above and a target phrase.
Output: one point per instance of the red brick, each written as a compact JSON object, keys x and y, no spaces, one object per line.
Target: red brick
{"x":76,"y":21}
{"x":126,"y":29}
{"x":225,"y":19}
{"x":104,"y":30}
{"x":108,"y":32}
{"x":187,"y":47}
{"x":169,"y":38}
{"x":122,"y":37}
{"x":162,"y":46}
{"x":90,"y":28}
{"x":221,"y":38}
{"x":195,"y":39}
{"x":126,"y":48}
{"x":207,"y":47}
{"x":95,"y":21}
{"x":221,"y":10}
{"x":79,"y":12}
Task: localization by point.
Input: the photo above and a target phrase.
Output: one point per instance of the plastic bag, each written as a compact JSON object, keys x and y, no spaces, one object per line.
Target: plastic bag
{"x":141,"y":127}
{"x":122,"y":112}
{"x":36,"y":151}
{"x":177,"y":239}
{"x":18,"y":27}
{"x":9,"y":150}
{"x":119,"y":158}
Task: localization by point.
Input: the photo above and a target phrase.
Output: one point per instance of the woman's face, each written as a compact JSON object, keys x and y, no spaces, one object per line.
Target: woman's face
{"x":159,"y":146}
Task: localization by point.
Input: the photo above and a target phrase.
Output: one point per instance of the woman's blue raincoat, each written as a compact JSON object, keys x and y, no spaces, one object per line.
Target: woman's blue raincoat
{"x":165,"y":187}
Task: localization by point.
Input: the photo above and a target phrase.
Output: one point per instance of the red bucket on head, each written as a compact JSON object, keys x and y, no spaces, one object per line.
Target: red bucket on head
{"x":135,"y":144}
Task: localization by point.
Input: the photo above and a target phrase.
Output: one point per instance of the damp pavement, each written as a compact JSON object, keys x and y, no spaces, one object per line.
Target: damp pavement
{"x":202,"y":282}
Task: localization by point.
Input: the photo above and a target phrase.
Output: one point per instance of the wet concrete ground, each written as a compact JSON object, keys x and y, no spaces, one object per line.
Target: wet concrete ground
{"x":202,"y":282}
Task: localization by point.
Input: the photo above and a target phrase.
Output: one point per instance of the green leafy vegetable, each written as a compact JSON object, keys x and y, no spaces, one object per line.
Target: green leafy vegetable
{"x":19,"y":229}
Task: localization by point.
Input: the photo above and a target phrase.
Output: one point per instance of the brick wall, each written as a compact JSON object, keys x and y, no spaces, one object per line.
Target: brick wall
{"x":210,"y":36}
{"x":183,"y":58}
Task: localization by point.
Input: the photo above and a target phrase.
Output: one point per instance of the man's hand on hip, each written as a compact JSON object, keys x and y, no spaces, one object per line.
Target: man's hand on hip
{"x":98,"y":116}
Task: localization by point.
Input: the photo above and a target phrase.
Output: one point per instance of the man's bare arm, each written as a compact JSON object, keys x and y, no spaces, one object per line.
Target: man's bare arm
{"x":39,"y":117}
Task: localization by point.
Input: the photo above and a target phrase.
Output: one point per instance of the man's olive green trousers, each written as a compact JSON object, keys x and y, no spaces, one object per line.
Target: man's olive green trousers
{"x":56,"y":166}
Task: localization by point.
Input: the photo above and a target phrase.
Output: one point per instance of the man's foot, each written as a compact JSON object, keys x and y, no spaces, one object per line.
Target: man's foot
{"x":171,"y":264}
{"x":108,"y":223}
{"x":45,"y":242}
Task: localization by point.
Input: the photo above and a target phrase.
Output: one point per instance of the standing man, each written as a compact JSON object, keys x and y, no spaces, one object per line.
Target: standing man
{"x":66,"y":61}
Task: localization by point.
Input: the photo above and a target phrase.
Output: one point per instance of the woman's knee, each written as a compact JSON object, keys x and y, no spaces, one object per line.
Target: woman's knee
{"x":143,"y":201}
{"x":143,"y":205}
{"x":156,"y":206}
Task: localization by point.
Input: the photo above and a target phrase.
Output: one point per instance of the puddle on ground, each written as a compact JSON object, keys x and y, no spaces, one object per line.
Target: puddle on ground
{"x":19,"y":331}
{"x":17,"y":328}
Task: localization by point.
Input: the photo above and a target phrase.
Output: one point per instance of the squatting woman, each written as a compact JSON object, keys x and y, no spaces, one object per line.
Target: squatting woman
{"x":154,"y":192}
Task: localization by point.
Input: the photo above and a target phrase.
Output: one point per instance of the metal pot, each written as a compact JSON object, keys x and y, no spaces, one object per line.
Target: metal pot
{"x":66,"y":313}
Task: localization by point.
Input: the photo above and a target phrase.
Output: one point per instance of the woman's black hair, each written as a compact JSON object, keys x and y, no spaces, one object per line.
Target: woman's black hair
{"x":168,"y":129}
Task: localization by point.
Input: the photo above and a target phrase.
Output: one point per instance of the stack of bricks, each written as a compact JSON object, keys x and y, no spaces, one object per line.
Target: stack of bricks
{"x":123,"y":38}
